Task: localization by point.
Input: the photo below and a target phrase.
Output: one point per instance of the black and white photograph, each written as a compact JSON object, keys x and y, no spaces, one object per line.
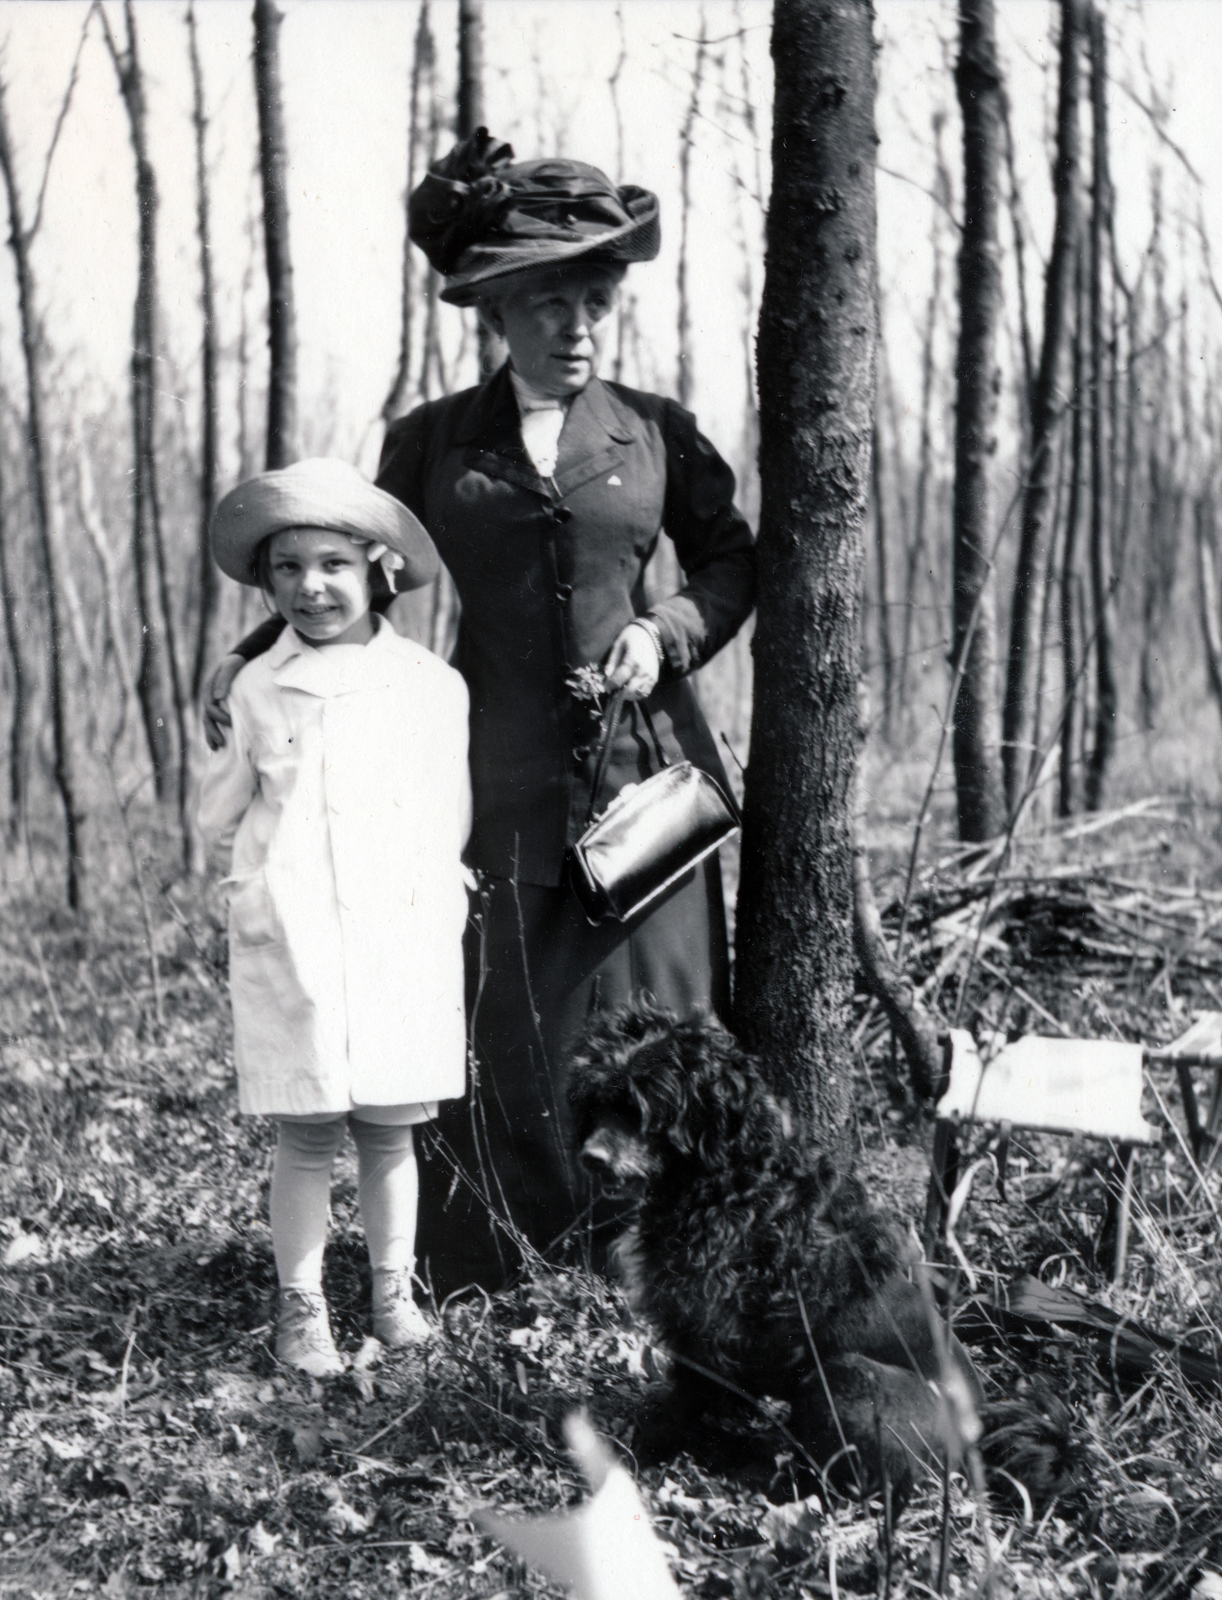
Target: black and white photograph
{"x":610,"y":799}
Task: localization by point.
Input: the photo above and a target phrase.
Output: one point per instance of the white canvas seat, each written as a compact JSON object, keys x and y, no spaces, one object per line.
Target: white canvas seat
{"x":1088,"y":1087}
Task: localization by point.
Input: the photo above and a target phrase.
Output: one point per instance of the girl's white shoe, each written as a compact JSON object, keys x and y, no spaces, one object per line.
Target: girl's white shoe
{"x":397,"y":1319}
{"x":303,"y":1335}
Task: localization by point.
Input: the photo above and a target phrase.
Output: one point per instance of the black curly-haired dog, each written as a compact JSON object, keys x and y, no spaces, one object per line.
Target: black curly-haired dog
{"x":762,"y":1264}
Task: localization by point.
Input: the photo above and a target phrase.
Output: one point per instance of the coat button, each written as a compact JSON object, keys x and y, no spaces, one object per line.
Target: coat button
{"x":563,"y":592}
{"x":581,"y":752}
{"x":562,"y":514}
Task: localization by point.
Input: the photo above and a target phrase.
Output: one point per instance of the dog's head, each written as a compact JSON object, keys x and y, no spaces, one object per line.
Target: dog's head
{"x":650,"y":1093}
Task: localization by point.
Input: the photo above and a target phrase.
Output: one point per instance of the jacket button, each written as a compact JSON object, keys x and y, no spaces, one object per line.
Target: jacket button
{"x":563,"y":592}
{"x":581,"y":752}
{"x":562,"y":514}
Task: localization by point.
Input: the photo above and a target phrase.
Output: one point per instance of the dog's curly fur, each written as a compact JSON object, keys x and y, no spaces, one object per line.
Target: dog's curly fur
{"x":757,"y":1257}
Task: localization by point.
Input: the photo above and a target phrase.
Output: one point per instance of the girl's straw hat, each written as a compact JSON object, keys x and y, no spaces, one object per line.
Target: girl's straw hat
{"x":318,"y":493}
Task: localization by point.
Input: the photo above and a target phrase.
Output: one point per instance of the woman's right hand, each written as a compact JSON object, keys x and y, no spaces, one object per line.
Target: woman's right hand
{"x":216,"y":710}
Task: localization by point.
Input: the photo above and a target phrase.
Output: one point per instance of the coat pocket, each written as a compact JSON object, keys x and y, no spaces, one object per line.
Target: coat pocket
{"x":253,"y":919}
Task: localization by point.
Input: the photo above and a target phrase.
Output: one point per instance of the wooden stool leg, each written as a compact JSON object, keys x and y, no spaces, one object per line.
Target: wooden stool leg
{"x":944,"y":1168}
{"x":1120,"y":1203}
{"x":1192,"y":1115}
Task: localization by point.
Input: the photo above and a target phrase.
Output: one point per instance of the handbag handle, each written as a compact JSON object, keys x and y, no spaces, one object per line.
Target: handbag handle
{"x":615,"y":710}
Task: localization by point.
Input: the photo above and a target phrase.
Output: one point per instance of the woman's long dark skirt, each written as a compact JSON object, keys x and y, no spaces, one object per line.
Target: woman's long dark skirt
{"x":499,"y":1166}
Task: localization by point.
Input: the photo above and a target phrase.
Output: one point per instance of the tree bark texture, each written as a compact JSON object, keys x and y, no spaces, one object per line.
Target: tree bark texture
{"x":47,"y":532}
{"x":1102,"y":585}
{"x":1070,"y":672}
{"x":977,"y":727}
{"x":470,"y":116}
{"x":1026,"y":607}
{"x":281,"y":444}
{"x":687,"y":138}
{"x":21,"y":679}
{"x":157,"y":670}
{"x":816,"y":356}
{"x":423,"y":56}
{"x":209,"y":586}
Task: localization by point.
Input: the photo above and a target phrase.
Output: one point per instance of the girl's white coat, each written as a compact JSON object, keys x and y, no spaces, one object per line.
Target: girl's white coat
{"x":344,"y":791}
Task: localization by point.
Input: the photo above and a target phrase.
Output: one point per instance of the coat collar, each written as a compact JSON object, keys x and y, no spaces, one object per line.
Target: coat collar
{"x":595,"y":430}
{"x":296,"y":664}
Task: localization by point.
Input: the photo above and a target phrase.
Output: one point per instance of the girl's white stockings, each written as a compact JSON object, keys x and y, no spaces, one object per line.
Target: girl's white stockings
{"x":301,"y":1195}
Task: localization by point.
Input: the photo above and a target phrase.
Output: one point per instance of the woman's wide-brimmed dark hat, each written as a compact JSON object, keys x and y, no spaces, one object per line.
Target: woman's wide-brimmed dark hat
{"x":318,"y":493}
{"x":480,"y":215}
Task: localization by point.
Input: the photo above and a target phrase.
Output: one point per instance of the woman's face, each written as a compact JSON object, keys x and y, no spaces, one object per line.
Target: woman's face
{"x":555,"y":325}
{"x":320,"y":583}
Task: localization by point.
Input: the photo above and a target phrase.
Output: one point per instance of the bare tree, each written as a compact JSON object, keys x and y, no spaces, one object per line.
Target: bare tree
{"x":1071,"y":717}
{"x":687,"y":133}
{"x":162,"y":701}
{"x":1026,"y":603}
{"x":66,"y":780}
{"x":470,"y":116}
{"x":1101,"y":578}
{"x":918,"y":553}
{"x":209,"y":587}
{"x":20,"y":674}
{"x":795,"y":961}
{"x":977,"y":730}
{"x":423,"y":55}
{"x":281,"y":443}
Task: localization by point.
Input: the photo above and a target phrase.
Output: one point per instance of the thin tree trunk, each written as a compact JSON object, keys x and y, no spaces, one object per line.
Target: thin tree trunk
{"x":886,"y":660}
{"x":1101,"y":580}
{"x":1026,"y":604}
{"x":21,"y":678}
{"x":1072,"y":688}
{"x":977,"y":731}
{"x":470,"y":116}
{"x":683,"y":389}
{"x":817,"y":385}
{"x":48,"y":535}
{"x":925,"y":448}
{"x":209,"y":586}
{"x":423,"y":52}
{"x":1209,"y":590}
{"x":281,"y":444}
{"x":91,"y":521}
{"x":160,"y":678}
{"x":1014,"y":199}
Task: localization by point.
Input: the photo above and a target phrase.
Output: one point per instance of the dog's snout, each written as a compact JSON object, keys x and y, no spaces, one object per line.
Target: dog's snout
{"x":596,"y":1154}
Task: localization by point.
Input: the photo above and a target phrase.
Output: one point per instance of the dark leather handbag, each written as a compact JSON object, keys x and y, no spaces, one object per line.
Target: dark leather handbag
{"x":650,"y":835}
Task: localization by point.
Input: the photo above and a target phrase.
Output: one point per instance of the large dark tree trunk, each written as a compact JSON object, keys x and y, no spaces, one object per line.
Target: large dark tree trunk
{"x":1101,"y":584}
{"x":1026,"y":605}
{"x":281,"y":445}
{"x":47,"y":533}
{"x":977,"y":730}
{"x":209,"y":587}
{"x":816,"y":386}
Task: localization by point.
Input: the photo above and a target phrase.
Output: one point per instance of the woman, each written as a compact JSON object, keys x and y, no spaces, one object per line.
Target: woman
{"x":544,"y":491}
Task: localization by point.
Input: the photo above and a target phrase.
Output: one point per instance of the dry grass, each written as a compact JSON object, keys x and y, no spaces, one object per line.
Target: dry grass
{"x":150,"y":1444}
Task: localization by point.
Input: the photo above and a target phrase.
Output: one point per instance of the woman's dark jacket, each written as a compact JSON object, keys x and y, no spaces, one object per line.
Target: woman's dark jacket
{"x":549,"y":576}
{"x":549,"y":573}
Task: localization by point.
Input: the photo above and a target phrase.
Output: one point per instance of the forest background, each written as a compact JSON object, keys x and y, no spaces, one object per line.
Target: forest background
{"x":148,"y":1441}
{"x":631,"y":88}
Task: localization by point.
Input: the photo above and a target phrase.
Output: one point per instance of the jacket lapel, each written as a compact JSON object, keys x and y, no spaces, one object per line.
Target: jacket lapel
{"x":297,"y":665}
{"x":492,"y":436}
{"x":594,"y":434}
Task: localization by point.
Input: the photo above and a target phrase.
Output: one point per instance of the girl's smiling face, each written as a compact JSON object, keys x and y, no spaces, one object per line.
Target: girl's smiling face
{"x":320,"y":583}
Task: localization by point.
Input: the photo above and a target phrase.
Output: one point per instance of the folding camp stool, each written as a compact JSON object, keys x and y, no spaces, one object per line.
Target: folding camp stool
{"x":1200,"y":1046}
{"x":1090,"y":1087}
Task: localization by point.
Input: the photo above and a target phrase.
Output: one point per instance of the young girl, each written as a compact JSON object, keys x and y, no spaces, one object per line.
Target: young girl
{"x":344,"y":794}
